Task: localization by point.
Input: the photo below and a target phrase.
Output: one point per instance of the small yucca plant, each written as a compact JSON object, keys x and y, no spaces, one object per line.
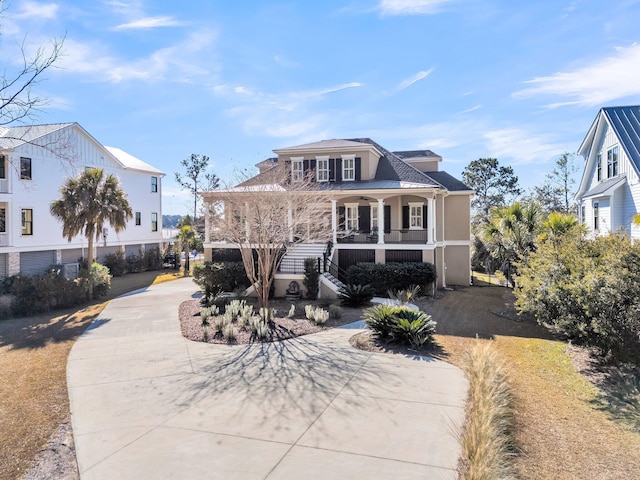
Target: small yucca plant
{"x":309,"y":311}
{"x":292,"y":311}
{"x":354,"y":295}
{"x":229,"y":332}
{"x":320,"y":316}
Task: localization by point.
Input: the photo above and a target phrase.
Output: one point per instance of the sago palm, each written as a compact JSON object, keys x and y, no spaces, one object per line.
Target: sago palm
{"x":87,"y":203}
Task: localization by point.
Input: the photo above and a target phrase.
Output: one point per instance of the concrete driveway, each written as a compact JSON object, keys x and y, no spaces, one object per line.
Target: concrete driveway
{"x":147,"y":403}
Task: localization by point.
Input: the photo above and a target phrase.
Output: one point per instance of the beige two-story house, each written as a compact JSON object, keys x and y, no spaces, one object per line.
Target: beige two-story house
{"x":383,"y":207}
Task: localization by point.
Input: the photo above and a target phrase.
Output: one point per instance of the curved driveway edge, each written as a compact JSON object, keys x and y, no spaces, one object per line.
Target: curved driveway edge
{"x":147,"y":403}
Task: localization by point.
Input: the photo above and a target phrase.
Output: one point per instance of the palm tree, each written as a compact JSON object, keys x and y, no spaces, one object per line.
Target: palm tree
{"x":87,"y":203}
{"x":510,"y":234}
{"x":186,"y":237}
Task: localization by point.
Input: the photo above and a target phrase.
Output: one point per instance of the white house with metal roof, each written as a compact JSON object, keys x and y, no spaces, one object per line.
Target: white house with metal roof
{"x":609,"y":192}
{"x":34,"y":163}
{"x":384,"y":206}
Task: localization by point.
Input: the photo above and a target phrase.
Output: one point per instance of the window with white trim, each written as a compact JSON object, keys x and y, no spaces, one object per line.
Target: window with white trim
{"x":612,"y":162}
{"x":374,"y":217}
{"x":154,"y":222}
{"x":27,"y":221}
{"x":415,"y":215}
{"x":599,"y":167}
{"x":322,"y":169}
{"x":25,"y":168}
{"x":297,"y":169}
{"x":351,"y":217}
{"x":154,"y":184}
{"x":596,"y":216}
{"x":138,"y":218}
{"x":348,"y":168}
{"x":3,"y":220}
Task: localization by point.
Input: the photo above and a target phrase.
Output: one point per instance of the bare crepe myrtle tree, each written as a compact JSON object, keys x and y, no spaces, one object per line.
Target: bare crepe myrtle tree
{"x":264,"y":216}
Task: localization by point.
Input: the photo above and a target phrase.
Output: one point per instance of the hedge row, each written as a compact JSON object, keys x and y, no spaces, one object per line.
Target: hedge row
{"x":392,"y":276}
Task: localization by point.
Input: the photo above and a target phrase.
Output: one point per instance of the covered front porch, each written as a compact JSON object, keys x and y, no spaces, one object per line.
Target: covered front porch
{"x":399,"y":219}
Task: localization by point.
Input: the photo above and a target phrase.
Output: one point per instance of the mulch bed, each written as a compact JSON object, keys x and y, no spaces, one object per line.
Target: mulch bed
{"x":369,"y":342}
{"x":283,"y":327}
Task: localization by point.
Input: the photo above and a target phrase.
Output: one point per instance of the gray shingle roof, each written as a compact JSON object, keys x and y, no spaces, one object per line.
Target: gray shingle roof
{"x":333,"y":143}
{"x":625,"y":121}
{"x":415,"y":154}
{"x":448,"y":181}
{"x":391,"y":167}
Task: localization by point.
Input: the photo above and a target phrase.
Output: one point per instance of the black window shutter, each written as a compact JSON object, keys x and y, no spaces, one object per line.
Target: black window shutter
{"x":338,"y":169}
{"x":365,"y":218}
{"x":424,"y":217}
{"x":332,"y":169}
{"x":340,"y":218}
{"x":405,"y":216}
{"x":357,"y":167}
{"x":387,"y":219}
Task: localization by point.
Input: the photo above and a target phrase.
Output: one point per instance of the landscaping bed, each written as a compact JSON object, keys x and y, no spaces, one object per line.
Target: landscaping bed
{"x":283,"y":326}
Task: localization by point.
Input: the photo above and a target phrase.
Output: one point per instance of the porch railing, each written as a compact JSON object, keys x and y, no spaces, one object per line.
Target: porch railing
{"x":390,"y":236}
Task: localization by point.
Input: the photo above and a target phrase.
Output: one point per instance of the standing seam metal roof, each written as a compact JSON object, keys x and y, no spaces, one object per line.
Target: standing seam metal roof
{"x":625,"y":121}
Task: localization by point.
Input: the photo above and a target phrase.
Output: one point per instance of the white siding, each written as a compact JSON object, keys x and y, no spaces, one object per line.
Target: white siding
{"x":69,"y":152}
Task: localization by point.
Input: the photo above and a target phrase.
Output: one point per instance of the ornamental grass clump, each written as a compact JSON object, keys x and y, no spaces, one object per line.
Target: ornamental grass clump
{"x":487,"y":436}
{"x":335,"y":312}
{"x":320,"y":316}
{"x":309,"y":311}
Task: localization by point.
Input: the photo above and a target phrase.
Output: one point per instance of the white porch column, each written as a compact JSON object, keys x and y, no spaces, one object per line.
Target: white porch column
{"x":207,"y":226}
{"x":334,"y":221}
{"x":380,"y":221}
{"x":431,"y":220}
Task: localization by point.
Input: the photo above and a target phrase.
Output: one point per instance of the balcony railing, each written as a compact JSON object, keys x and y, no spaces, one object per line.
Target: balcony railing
{"x":4,"y":185}
{"x":390,"y":236}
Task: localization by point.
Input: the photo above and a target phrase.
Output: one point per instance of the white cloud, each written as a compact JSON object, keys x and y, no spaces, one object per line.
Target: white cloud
{"x":415,"y":78}
{"x":149,"y":22}
{"x":411,"y":7}
{"x":175,"y":63}
{"x":522,"y":146}
{"x":37,"y":10}
{"x":472,"y":109}
{"x":292,"y":115}
{"x":598,"y":83}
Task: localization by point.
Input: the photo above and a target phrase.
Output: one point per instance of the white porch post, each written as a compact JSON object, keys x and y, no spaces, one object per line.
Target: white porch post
{"x":334,"y":221}
{"x":380,"y":221}
{"x":207,"y":221}
{"x":431,"y":220}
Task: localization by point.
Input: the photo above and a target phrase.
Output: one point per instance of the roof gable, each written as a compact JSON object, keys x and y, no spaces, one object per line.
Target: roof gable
{"x":12,"y":137}
{"x":128,"y":161}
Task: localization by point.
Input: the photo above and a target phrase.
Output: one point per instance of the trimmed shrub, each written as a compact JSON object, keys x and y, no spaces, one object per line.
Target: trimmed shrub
{"x":116,"y":263}
{"x":355,"y":295}
{"x":400,"y":324}
{"x":34,"y":294}
{"x":214,"y":278}
{"x":392,"y":276}
{"x":311,"y":278}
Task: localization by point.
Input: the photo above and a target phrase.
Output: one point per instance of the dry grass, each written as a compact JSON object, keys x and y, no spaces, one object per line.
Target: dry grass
{"x":486,"y":439}
{"x":560,"y":432}
{"x":33,"y":361}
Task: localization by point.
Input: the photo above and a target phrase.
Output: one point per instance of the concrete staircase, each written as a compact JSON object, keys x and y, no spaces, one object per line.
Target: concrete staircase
{"x":331,"y":282}
{"x":293,"y":260}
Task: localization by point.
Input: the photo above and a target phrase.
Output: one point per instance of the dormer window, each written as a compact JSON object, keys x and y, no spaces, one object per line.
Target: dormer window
{"x":297,"y":169}
{"x":348,"y":168}
{"x":322,"y":169}
{"x":612,"y":162}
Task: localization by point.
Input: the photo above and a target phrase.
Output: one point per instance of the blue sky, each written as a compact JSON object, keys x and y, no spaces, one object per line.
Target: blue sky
{"x":519,"y":81}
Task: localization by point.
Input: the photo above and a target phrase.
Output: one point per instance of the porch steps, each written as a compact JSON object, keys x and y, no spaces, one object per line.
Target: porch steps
{"x":332,"y":282}
{"x":293,"y":260}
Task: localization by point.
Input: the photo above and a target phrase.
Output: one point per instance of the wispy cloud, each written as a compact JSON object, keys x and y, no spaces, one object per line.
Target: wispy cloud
{"x":411,"y":7}
{"x":472,"y":109}
{"x":281,"y":115}
{"x":177,"y":62}
{"x":37,"y":10}
{"x":414,"y":78}
{"x":523,"y":146}
{"x":149,"y":22}
{"x":602,"y":81}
